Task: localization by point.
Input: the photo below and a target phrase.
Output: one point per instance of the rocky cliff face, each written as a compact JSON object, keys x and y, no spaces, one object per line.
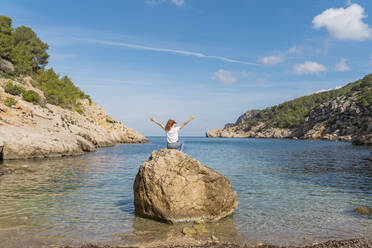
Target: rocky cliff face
{"x":32,"y":131}
{"x":345,"y":114}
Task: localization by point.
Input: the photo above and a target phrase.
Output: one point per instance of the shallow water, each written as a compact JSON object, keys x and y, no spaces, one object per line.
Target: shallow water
{"x":289,"y":191}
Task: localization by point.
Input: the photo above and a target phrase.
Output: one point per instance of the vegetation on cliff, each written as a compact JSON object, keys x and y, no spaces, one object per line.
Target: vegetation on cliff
{"x":292,"y":113}
{"x":58,"y":90}
{"x":339,"y":114}
{"x":27,"y":95}
{"x":24,"y":49}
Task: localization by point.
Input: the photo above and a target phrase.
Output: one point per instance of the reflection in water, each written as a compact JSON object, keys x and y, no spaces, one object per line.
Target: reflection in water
{"x":289,"y":192}
{"x":146,"y":230}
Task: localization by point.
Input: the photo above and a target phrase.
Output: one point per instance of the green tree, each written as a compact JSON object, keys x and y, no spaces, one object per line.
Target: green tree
{"x":58,"y":91}
{"x":6,"y":39}
{"x":30,"y":49}
{"x":22,"y":59}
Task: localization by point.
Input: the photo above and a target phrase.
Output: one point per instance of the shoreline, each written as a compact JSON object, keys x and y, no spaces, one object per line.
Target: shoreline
{"x":289,"y":138}
{"x":67,"y":155}
{"x":185,"y":243}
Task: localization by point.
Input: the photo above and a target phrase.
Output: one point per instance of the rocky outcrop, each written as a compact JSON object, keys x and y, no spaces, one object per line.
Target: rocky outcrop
{"x":344,"y":114}
{"x":173,"y":187}
{"x":225,"y":133}
{"x":32,"y":131}
{"x":6,"y":66}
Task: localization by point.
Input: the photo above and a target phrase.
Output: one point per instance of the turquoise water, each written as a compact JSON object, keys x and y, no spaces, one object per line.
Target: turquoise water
{"x":289,"y":192}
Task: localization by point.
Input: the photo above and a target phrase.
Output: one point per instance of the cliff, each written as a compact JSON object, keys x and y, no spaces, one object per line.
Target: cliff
{"x":32,"y":130}
{"x":340,"y":114}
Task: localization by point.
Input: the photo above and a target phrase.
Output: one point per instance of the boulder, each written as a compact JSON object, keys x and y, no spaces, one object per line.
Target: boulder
{"x":363,"y":210}
{"x":174,"y":187}
{"x":6,"y":66}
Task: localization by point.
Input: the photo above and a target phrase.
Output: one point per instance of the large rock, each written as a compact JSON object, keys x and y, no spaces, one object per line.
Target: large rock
{"x":174,"y":187}
{"x":6,"y":66}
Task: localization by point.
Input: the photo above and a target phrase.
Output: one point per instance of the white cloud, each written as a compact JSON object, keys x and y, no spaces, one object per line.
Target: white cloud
{"x":309,"y":67}
{"x":178,"y":3}
{"x":272,"y":60}
{"x":224,"y":76}
{"x":166,"y":50}
{"x":320,"y":91}
{"x":344,"y":23}
{"x":342,"y":65}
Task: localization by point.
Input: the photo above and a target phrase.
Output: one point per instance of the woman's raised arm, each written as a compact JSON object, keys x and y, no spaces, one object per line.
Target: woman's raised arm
{"x":185,"y":123}
{"x":161,"y":125}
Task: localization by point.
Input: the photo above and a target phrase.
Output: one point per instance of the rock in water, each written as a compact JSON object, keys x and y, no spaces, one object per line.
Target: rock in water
{"x":363,"y":210}
{"x":174,"y":187}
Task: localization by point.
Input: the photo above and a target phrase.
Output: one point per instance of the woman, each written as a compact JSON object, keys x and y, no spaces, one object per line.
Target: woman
{"x":172,"y":133}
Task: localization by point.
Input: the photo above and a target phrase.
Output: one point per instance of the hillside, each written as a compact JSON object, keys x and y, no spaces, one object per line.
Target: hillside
{"x":339,"y":114}
{"x":43,"y":114}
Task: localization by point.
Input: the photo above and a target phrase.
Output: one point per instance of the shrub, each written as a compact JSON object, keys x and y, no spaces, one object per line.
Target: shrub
{"x":79,"y":110}
{"x":13,"y":89}
{"x":4,"y":75}
{"x":31,"y":96}
{"x":9,"y":102}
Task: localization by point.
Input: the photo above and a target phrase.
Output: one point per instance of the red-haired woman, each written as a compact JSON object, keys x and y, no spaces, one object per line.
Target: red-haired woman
{"x":172,"y":133}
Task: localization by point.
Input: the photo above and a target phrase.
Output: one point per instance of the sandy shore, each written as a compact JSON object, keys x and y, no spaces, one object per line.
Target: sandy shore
{"x":351,"y":243}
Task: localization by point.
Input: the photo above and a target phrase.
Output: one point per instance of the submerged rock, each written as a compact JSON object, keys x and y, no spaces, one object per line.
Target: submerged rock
{"x":173,"y":187}
{"x":363,"y":210}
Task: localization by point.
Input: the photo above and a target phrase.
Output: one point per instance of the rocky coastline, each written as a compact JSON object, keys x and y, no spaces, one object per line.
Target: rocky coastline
{"x":29,"y":130}
{"x":343,"y":114}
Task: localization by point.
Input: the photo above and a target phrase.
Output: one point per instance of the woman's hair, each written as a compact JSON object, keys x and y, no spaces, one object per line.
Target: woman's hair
{"x":170,"y":124}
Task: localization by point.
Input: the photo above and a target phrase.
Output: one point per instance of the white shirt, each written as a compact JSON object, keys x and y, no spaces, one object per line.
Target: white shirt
{"x":172,"y":134}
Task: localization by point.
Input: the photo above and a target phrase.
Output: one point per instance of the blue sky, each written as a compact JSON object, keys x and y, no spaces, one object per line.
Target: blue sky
{"x":212,"y":59}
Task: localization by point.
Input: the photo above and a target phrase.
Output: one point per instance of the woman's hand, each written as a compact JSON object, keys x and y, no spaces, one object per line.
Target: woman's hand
{"x":192,"y":117}
{"x":152,"y":119}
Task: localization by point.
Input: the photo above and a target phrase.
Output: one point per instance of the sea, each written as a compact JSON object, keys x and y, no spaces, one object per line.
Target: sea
{"x":290,"y":192}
